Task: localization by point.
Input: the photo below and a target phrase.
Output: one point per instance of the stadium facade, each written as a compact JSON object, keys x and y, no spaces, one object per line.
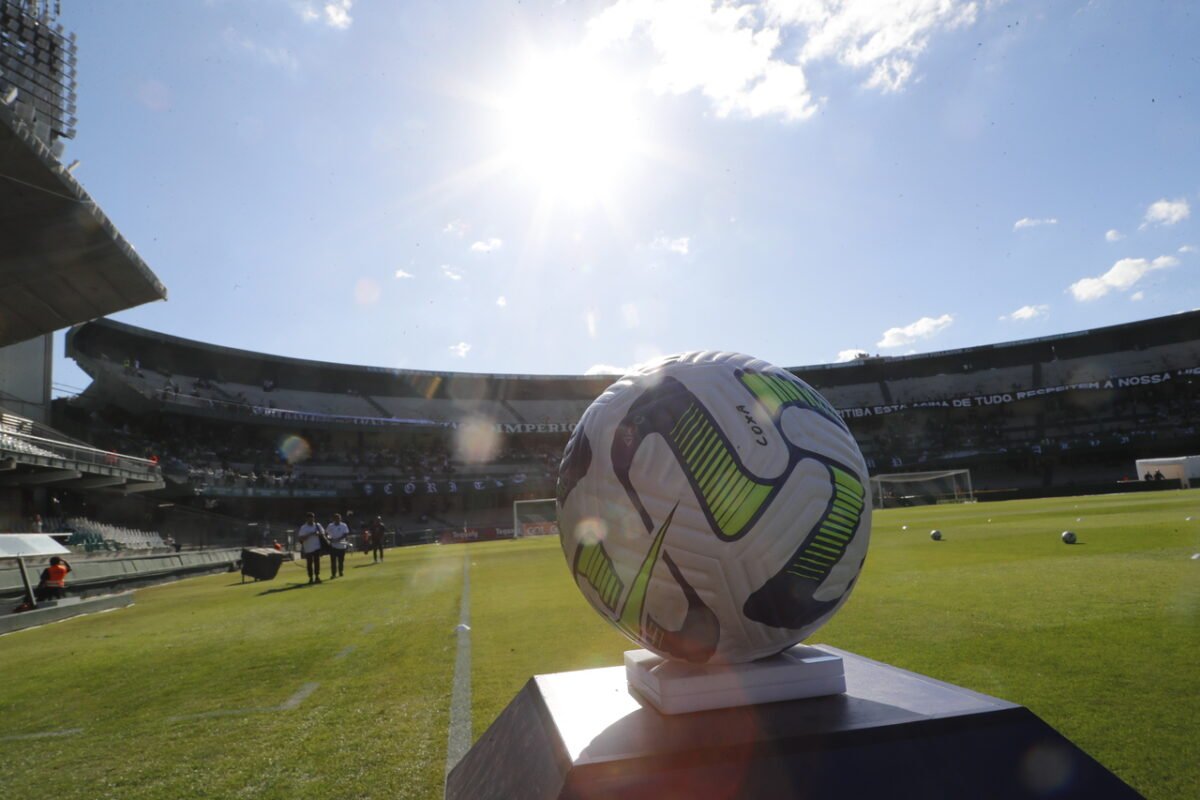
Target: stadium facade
{"x":62,"y":261}
{"x":263,"y":437}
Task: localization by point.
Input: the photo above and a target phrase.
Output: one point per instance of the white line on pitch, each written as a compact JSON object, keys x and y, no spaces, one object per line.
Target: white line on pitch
{"x":41,"y":735}
{"x":459,"y":739}
{"x":291,"y":703}
{"x":299,"y":697}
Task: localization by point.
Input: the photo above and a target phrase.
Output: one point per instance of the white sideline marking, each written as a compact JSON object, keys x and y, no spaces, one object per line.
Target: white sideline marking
{"x":41,"y":735}
{"x":459,"y":740}
{"x":345,"y":651}
{"x":291,"y":703}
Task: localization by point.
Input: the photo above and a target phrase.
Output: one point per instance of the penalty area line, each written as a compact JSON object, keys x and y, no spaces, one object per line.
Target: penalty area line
{"x":458,"y":741}
{"x":290,"y":704}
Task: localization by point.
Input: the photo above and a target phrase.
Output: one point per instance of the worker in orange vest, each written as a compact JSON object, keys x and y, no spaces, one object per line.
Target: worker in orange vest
{"x":53,"y":585}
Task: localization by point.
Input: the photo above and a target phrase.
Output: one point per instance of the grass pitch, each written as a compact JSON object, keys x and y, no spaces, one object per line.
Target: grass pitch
{"x":1100,"y":639}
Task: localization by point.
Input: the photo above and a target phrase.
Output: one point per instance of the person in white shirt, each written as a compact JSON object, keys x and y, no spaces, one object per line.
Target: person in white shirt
{"x":310,"y":536}
{"x":338,"y":533}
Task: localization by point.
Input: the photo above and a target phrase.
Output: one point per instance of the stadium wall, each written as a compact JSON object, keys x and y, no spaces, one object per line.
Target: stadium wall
{"x":25,"y":378}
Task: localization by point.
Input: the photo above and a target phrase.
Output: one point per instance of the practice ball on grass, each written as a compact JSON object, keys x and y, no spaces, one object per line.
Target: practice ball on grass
{"x":903,"y":527}
{"x":713,"y":507}
{"x":1068,"y":537}
{"x":935,"y":535}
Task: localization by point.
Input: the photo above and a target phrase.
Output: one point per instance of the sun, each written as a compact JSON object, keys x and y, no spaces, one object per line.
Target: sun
{"x":569,"y":127}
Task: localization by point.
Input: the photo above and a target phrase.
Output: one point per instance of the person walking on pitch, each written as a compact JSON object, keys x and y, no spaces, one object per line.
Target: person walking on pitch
{"x":310,"y":535}
{"x":377,"y":531}
{"x":338,"y":533}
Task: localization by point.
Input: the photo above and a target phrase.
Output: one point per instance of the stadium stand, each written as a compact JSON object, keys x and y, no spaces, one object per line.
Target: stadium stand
{"x":264,"y":436}
{"x":88,"y":535}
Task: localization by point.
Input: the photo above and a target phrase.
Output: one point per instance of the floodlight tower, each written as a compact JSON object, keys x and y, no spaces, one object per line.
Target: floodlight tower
{"x":37,"y":69}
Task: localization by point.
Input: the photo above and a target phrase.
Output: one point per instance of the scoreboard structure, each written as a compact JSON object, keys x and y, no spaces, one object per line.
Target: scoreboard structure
{"x":37,"y":67}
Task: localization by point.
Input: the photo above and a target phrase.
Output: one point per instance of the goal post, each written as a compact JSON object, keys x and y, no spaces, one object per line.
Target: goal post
{"x":898,"y":489}
{"x":535,"y":518}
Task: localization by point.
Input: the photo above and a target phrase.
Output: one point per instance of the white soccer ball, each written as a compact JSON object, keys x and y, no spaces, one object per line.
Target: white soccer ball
{"x":713,"y":507}
{"x":936,"y":535}
{"x":1068,"y":537}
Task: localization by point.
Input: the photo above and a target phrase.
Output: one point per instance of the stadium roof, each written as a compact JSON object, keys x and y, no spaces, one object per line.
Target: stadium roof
{"x":106,"y":338}
{"x":116,"y":341}
{"x":62,"y":261}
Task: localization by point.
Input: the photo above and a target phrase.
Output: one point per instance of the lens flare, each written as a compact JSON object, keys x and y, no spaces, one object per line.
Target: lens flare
{"x":476,"y":441}
{"x":295,"y":449}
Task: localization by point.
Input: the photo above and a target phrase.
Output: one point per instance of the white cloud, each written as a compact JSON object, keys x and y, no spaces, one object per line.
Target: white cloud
{"x":450,"y":273}
{"x":723,"y":51}
{"x":1137,"y":297}
{"x":923,"y":328}
{"x":1121,"y":276}
{"x":1167,"y":212}
{"x":1026,"y":313}
{"x":885,"y":37}
{"x":1113,"y":235}
{"x":461,"y":349}
{"x":455,"y":227}
{"x":1188,"y":248}
{"x":679,"y":244}
{"x":402,"y":274}
{"x":501,"y":301}
{"x":487,"y":245}
{"x":605,"y":369}
{"x":853,"y":354}
{"x":279,"y":57}
{"x":1029,"y":222}
{"x":749,"y":59}
{"x":334,"y":13}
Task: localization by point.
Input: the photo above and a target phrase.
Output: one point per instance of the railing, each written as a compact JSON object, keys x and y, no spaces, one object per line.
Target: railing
{"x":16,"y":431}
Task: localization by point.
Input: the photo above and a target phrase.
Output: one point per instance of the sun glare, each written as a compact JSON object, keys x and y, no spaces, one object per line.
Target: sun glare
{"x":570,"y":128}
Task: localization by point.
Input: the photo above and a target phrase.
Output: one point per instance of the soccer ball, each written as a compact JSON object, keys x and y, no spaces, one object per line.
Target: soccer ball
{"x":713,"y":507}
{"x":1068,"y":537}
{"x":936,"y":535}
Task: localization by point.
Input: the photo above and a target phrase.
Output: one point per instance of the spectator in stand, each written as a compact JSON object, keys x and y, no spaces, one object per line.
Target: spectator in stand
{"x":338,"y":533}
{"x":36,"y":527}
{"x":53,"y":583}
{"x":310,"y":536}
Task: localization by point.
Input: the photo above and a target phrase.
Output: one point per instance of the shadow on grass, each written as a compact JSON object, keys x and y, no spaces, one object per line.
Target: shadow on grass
{"x":363,"y":566}
{"x":287,"y":588}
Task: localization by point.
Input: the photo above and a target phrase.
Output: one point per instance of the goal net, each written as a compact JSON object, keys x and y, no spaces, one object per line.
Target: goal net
{"x":535,"y":518}
{"x":900,"y":489}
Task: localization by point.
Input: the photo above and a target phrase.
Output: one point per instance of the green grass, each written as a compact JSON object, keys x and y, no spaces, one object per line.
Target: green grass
{"x":1099,"y":639}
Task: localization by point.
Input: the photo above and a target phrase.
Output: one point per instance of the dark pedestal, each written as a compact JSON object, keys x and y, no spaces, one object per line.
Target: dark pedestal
{"x":893,"y":734}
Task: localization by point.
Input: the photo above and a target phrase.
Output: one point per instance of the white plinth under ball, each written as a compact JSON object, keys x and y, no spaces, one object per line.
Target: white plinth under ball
{"x":676,"y":687}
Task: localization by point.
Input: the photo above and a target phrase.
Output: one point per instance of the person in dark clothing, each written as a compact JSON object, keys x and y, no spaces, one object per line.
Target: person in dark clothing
{"x":377,"y":530}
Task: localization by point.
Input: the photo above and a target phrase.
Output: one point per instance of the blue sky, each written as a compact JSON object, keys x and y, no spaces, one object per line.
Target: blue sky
{"x":543,"y":187}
